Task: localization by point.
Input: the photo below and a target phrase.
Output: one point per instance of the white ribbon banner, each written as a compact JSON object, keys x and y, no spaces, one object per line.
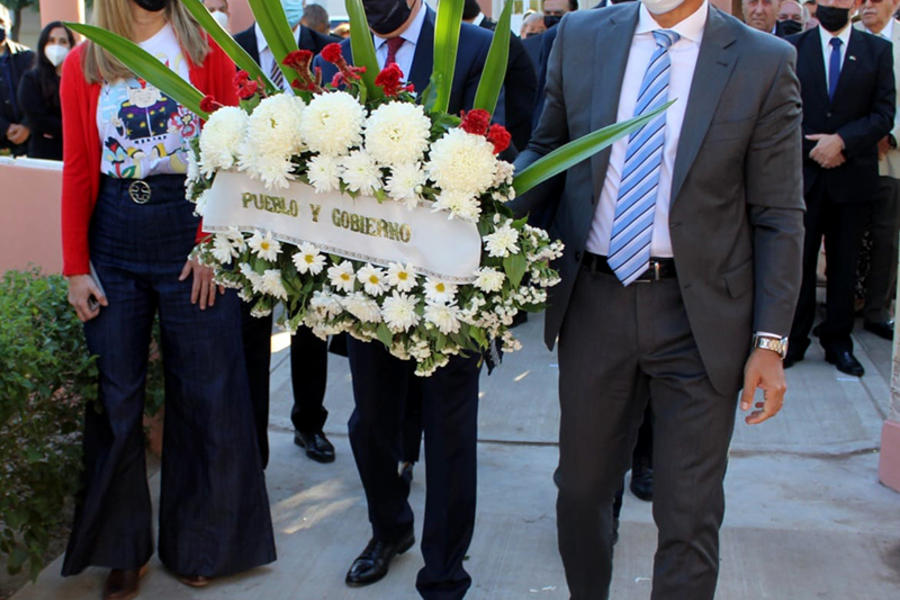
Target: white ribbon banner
{"x":357,"y":228}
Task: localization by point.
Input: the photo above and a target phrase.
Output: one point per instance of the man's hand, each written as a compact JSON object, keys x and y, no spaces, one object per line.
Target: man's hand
{"x":17,"y":133}
{"x":203,"y":289}
{"x":763,"y":370}
{"x":81,"y":290}
{"x":828,"y":151}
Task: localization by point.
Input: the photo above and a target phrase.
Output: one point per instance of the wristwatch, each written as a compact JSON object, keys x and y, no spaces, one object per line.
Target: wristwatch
{"x":770,"y":342}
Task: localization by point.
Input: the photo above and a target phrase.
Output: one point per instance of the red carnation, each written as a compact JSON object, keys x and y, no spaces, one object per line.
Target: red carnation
{"x":390,"y":79}
{"x":241,"y":78}
{"x":209,"y":104}
{"x":499,"y":137}
{"x":332,"y":53}
{"x":298,"y":59}
{"x":476,"y":121}
{"x":248,"y":90}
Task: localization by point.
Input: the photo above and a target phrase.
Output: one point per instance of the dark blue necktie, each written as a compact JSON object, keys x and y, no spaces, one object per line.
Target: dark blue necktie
{"x":834,"y":67}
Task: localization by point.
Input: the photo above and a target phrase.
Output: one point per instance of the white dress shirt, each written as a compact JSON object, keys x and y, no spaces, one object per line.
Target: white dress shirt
{"x":267,"y":59}
{"x":407,"y":51}
{"x":825,"y":37}
{"x":683,"y":56}
{"x":887,"y":32}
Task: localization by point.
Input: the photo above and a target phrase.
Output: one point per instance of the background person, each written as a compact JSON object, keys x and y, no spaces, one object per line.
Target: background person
{"x":124,"y":213}
{"x":316,"y":18}
{"x":220,"y":12}
{"x":760,"y":14}
{"x":39,"y":92}
{"x":15,"y":59}
{"x":791,"y":18}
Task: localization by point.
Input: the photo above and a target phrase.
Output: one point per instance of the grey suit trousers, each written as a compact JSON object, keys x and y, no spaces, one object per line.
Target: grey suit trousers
{"x":616,"y":344}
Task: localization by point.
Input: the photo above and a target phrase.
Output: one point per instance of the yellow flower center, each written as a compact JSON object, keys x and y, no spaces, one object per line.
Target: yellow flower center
{"x":264,"y":245}
{"x":440,"y":287}
{"x":373,"y":279}
{"x":308,"y":258}
{"x":402,"y":276}
{"x":345,"y":277}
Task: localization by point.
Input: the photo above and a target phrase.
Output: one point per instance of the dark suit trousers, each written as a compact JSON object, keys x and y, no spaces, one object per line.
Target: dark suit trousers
{"x":618,"y":347}
{"x":449,"y":416}
{"x":841,"y":224}
{"x":309,"y":373}
{"x":883,"y":227}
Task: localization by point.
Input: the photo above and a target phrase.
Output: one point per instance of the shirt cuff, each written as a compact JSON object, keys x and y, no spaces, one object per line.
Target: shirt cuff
{"x":769,"y":334}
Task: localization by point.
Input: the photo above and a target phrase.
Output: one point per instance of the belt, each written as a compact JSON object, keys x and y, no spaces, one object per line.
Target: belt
{"x":155,"y":189}
{"x":660,"y":268}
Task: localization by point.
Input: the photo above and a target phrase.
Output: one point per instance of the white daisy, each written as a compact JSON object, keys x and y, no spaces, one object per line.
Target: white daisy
{"x":264,"y":245}
{"x":373,"y":280}
{"x":342,"y":276}
{"x":443,"y":316}
{"x":308,"y":259}
{"x":222,"y":249}
{"x":273,"y":285}
{"x":401,"y":277}
{"x":399,"y":312}
{"x":439,"y":291}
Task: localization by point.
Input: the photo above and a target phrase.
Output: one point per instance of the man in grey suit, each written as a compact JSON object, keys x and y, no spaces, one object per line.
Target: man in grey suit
{"x":681,"y":271}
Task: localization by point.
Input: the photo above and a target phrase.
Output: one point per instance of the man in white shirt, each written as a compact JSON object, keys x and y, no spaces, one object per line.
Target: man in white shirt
{"x":682,"y":240}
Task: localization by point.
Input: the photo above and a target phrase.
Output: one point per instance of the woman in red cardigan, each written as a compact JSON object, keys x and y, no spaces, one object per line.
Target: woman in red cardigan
{"x":124,"y":214}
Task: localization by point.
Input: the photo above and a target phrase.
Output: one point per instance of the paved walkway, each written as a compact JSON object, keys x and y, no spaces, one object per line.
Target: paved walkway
{"x":807,"y":518}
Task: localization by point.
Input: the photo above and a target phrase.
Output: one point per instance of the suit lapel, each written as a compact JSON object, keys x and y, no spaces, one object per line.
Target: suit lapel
{"x":714,"y":65}
{"x":811,"y":51}
{"x":423,"y":63}
{"x":848,"y":68}
{"x":609,"y":72}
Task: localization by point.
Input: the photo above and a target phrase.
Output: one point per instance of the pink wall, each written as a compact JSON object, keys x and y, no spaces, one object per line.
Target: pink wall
{"x":61,"y":10}
{"x":29,"y":203}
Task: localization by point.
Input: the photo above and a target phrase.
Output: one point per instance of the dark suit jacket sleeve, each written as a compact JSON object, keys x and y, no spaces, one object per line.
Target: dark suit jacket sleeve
{"x":863,"y":134}
{"x":39,"y":117}
{"x":552,"y":131}
{"x":774,"y":184}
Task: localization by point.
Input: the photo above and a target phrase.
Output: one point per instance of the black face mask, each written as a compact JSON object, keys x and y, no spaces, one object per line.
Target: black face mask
{"x":385,"y":16}
{"x":152,"y":5}
{"x":788,"y":27}
{"x":832,"y":18}
{"x":551,"y":20}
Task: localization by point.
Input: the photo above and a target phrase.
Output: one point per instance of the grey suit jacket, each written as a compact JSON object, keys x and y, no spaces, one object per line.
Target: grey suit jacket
{"x":736,"y":213}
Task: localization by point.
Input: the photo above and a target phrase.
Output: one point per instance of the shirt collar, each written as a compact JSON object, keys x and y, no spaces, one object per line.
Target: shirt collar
{"x":412,"y":32}
{"x":262,"y":44}
{"x":843,"y":35}
{"x":690,"y":28}
{"x":887,"y":33}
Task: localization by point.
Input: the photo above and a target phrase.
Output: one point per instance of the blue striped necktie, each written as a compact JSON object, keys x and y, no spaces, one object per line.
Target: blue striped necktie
{"x":632,"y":227}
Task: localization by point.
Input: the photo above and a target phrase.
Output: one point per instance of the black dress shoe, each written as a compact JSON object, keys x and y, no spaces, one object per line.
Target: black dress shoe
{"x":883,"y":329}
{"x":373,"y":563}
{"x":642,"y":481}
{"x":317,"y":446}
{"x":845,"y":362}
{"x":122,"y":584}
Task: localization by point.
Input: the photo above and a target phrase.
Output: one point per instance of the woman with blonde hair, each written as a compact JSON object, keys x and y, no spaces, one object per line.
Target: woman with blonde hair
{"x":125,"y":217}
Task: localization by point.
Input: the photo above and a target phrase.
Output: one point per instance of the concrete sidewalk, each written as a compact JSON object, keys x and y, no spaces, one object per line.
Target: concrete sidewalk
{"x":806,"y":519}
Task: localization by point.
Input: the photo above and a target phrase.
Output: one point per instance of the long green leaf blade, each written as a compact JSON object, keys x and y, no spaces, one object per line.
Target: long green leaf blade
{"x":275,"y":28}
{"x":494,"y":71}
{"x":446,"y":42}
{"x":363,"y":47}
{"x":227,"y":43}
{"x":145,"y":65}
{"x":568,"y":155}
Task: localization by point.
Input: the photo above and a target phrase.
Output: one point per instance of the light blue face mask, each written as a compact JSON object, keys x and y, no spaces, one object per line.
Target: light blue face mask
{"x":293,"y":9}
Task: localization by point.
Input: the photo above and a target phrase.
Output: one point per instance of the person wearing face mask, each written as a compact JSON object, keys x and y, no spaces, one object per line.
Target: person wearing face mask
{"x":39,"y":92}
{"x":383,"y":385}
{"x":15,"y":59}
{"x":553,"y":12}
{"x":849,"y":99}
{"x":219,"y":11}
{"x":884,"y":222}
{"x":127,"y":237}
{"x":792,"y":18}
{"x":309,"y":355}
{"x":681,"y":269}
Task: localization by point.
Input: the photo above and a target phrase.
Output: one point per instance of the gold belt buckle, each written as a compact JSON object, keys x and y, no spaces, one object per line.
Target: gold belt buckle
{"x":139,"y":190}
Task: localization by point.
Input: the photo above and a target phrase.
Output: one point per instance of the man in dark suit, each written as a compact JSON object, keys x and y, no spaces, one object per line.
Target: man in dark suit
{"x":404,"y":33}
{"x":520,"y":83}
{"x":682,"y":240}
{"x":15,"y":59}
{"x":847,"y":81}
{"x":309,"y":355}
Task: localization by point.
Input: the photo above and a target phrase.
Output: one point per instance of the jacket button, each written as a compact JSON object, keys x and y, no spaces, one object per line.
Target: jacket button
{"x":828,"y":114}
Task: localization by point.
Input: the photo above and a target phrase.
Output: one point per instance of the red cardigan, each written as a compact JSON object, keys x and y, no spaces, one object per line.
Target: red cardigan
{"x":82,"y":149}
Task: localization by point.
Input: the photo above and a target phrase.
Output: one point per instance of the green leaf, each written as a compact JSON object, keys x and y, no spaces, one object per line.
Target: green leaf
{"x":568,"y":155}
{"x":16,"y":560}
{"x":363,"y":48}
{"x":384,"y":335}
{"x":227,"y":43}
{"x":494,"y":71}
{"x":145,"y":65}
{"x":275,"y":28}
{"x":446,"y":42}
{"x":515,"y":266}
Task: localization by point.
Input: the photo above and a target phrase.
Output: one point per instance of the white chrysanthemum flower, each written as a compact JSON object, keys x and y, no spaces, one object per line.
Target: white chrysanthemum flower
{"x":264,"y":245}
{"x":202,"y":202}
{"x":326,"y":303}
{"x":193,"y":171}
{"x":274,"y":126}
{"x":504,"y":173}
{"x":237,"y":239}
{"x":308,"y":259}
{"x":439,"y":291}
{"x":253,"y":277}
{"x":399,"y":312}
{"x":362,"y":307}
{"x":360,"y":173}
{"x":489,"y":279}
{"x":397,"y":133}
{"x":274,"y":170}
{"x":459,"y":204}
{"x":324,"y":172}
{"x":405,"y":182}
{"x":220,"y":139}
{"x":332,"y":123}
{"x":373,"y":280}
{"x":462,"y":161}
{"x":222,"y":249}
{"x":342,"y":276}
{"x":273,"y":285}
{"x":502,"y":242}
{"x":401,"y":277}
{"x":444,"y":317}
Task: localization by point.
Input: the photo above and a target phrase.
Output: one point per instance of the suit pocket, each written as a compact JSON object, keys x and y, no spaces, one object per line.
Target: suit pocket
{"x":739,"y":280}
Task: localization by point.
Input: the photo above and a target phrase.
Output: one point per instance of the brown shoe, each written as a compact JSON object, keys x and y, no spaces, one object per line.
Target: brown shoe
{"x":197,"y":581}
{"x":122,"y":584}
